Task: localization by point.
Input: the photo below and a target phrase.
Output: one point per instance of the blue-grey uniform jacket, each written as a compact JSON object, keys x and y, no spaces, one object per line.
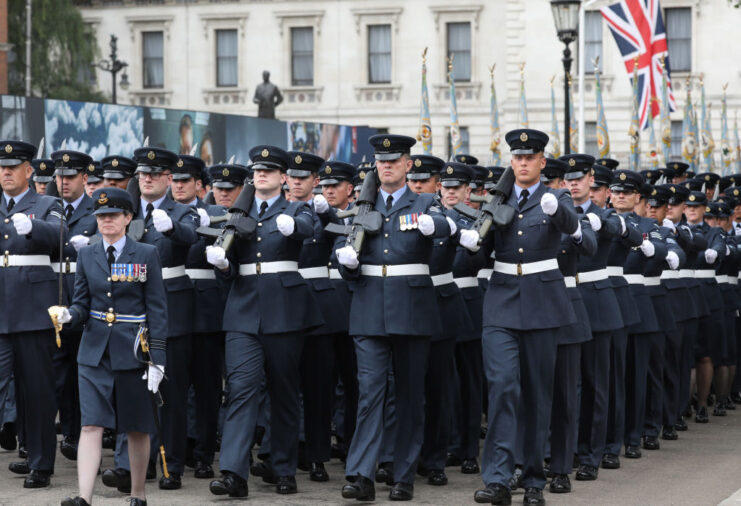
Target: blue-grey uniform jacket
{"x":621,"y":246}
{"x":681,"y":300}
{"x":709,"y":286}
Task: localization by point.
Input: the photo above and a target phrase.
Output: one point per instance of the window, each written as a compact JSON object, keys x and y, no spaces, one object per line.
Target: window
{"x":465,"y":145}
{"x":679,"y":38}
{"x":302,"y":56}
{"x":153,"y":60}
{"x":592,"y":39}
{"x":590,"y":139}
{"x":459,"y":47}
{"x":677,"y":136}
{"x":379,"y":54}
{"x":226,"y":58}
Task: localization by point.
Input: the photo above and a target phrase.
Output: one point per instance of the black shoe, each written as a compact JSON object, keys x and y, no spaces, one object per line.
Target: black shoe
{"x":470,"y":466}
{"x":203,"y":470}
{"x":362,"y":489}
{"x":453,"y":460}
{"x":118,"y":478}
{"x":422,"y":470}
{"x":19,"y":467}
{"x":174,"y":482}
{"x":286,"y":485}
{"x":152,"y":470}
{"x":22,"y":453}
{"x":560,"y":484}
{"x":231,"y":484}
{"x":702,"y":415}
{"x":135,"y":501}
{"x":494,"y":493}
{"x":109,"y":439}
{"x":681,"y":424}
{"x":74,"y":501}
{"x":338,"y":452}
{"x":402,"y":492}
{"x":729,"y":404}
{"x":736,"y":397}
{"x":437,"y":478}
{"x":68,"y":447}
{"x":669,"y":433}
{"x":586,"y":473}
{"x":318,"y":473}
{"x":37,"y":479}
{"x":264,"y":470}
{"x":8,"y":439}
{"x":610,"y":461}
{"x":547,"y":469}
{"x":719,"y":410}
{"x":515,"y":481}
{"x":482,"y":432}
{"x":651,"y":443}
{"x":533,"y":496}
{"x":632,"y":452}
{"x":385,"y":473}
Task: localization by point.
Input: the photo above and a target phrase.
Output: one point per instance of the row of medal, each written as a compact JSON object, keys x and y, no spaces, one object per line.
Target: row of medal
{"x":129,"y":272}
{"x":408,"y":221}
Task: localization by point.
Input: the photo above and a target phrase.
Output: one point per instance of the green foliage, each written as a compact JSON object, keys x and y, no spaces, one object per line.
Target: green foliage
{"x":63,"y":49}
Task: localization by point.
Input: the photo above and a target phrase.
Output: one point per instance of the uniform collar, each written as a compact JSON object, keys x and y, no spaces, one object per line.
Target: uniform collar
{"x":395,"y":196}
{"x":156,"y":204}
{"x":118,"y":246}
{"x":531,"y":190}
{"x":270,"y":201}
{"x":76,"y":203}
{"x":16,"y":199}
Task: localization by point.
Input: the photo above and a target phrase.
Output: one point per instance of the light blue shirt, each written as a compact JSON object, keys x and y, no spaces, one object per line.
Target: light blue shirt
{"x":395,"y":196}
{"x":584,"y":206}
{"x":531,"y":190}
{"x":118,"y":245}
{"x":16,"y":199}
{"x":270,"y":201}
{"x":156,"y":204}
{"x":74,"y":204}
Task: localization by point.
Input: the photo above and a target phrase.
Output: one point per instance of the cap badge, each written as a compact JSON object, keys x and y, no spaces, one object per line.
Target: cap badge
{"x":692,"y":198}
{"x":735,"y":192}
{"x":572,"y":162}
{"x":676,"y":166}
{"x":523,"y":137}
{"x":91,"y":167}
{"x":225,"y":172}
{"x":592,"y":172}
{"x":417,"y":162}
{"x":707,"y":209}
{"x":653,"y":192}
{"x":114,"y":163}
{"x":65,"y":158}
{"x":623,"y":177}
{"x":265,"y":153}
{"x":463,"y":159}
{"x":42,"y":166}
{"x":673,"y":190}
{"x":180,"y":162}
{"x":327,"y":169}
{"x":386,"y":143}
{"x":491,"y":174}
{"x":707,"y":177}
{"x":298,"y":160}
{"x":151,"y":155}
{"x":449,"y":170}
{"x":8,"y":148}
{"x":103,"y":199}
{"x":362,"y":174}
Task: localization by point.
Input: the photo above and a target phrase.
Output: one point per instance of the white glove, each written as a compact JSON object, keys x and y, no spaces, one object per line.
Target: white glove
{"x":711,"y":255}
{"x":286,"y":224}
{"x":594,"y":221}
{"x":348,"y":257}
{"x":203,"y":215}
{"x":321,"y":205}
{"x":78,"y":241}
{"x":216,"y":256}
{"x":162,"y":222}
{"x":577,"y":235}
{"x":470,"y":240}
{"x":22,"y":223}
{"x":669,"y":224}
{"x":549,"y":204}
{"x":623,"y":229}
{"x":154,"y":376}
{"x":728,"y":250}
{"x":426,"y":224}
{"x":648,"y":248}
{"x":452,"y":225}
{"x":63,"y":315}
{"x":673,"y":260}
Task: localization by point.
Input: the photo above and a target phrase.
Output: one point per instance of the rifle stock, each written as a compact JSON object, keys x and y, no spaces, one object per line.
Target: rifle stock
{"x":367,"y":220}
{"x":238,"y":222}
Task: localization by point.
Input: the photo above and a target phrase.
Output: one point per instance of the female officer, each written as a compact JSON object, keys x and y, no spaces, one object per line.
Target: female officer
{"x":118,"y":287}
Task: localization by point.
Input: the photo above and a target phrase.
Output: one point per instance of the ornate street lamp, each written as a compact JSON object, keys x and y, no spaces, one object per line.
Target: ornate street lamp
{"x":566,"y":18}
{"x":114,"y":66}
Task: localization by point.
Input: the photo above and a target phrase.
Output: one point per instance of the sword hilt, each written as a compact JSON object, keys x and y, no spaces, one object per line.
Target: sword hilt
{"x":164,"y":462}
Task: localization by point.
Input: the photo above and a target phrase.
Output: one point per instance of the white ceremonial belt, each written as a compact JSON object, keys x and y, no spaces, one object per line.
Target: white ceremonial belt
{"x":670,"y":275}
{"x":200,"y":273}
{"x":334,"y":274}
{"x":484,"y":273}
{"x":267,"y":268}
{"x":704,"y":273}
{"x":590,"y":276}
{"x":314,"y":272}
{"x":652,"y":280}
{"x":722,"y":278}
{"x":571,"y":281}
{"x":732,"y":280}
{"x":527,"y":268}
{"x":443,"y":279}
{"x":67,"y":267}
{"x":686,"y":273}
{"x":395,"y":270}
{"x":467,"y":282}
{"x":634,"y":279}
{"x":614,"y":271}
{"x":173,"y":272}
{"x":25,"y":260}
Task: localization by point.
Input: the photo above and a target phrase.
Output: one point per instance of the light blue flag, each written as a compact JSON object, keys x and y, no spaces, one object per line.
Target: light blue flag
{"x":425,"y":125}
{"x":495,"y":156}
{"x":635,"y":125}
{"x":455,"y":129}
{"x":524,"y":123}
{"x":603,"y":137}
{"x":553,"y":150}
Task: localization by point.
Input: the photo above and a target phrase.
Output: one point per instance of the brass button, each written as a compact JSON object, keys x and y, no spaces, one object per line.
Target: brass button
{"x":108,"y":294}
{"x":259,"y":239}
{"x":110,"y":309}
{"x":385,"y":235}
{"x":388,"y":219}
{"x":521,"y":250}
{"x":386,"y":251}
{"x":109,"y":279}
{"x":6,"y":236}
{"x":441,"y":243}
{"x":519,"y":216}
{"x":259,"y":255}
{"x":110,"y":325}
{"x":7,"y":220}
{"x":563,"y":251}
{"x":259,"y":224}
{"x":66,"y":244}
{"x":519,"y":232}
{"x":544,"y":221}
{"x":146,"y":230}
{"x":313,"y":240}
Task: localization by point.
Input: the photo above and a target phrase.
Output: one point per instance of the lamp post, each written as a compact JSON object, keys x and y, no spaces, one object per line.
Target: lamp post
{"x":566,"y":18}
{"x":114,"y":66}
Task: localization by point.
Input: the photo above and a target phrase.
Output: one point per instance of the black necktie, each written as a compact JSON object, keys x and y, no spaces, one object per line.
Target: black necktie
{"x":111,"y":258}
{"x":150,"y":208}
{"x":69,"y":210}
{"x":263,"y":208}
{"x":524,"y":194}
{"x":389,"y":202}
{"x":11,"y":204}
{"x":579,"y":210}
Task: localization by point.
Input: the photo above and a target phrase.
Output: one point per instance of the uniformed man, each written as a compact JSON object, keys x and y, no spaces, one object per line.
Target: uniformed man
{"x":393,"y":267}
{"x":43,"y":174}
{"x":680,"y":172}
{"x":709,"y":181}
{"x":94,"y":177}
{"x":227,"y":181}
{"x":117,"y":171}
{"x":519,"y":341}
{"x":337,"y":188}
{"x":269,"y":309}
{"x":30,"y":228}
{"x":362,"y":169}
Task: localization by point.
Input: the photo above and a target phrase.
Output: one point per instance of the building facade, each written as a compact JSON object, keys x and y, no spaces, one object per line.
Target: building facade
{"x":359,"y":61}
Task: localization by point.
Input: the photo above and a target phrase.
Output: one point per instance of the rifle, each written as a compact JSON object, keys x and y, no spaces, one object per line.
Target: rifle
{"x":238,"y":221}
{"x":366,"y":219}
{"x":493,"y":211}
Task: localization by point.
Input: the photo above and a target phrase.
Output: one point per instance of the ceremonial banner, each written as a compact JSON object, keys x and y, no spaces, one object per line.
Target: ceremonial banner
{"x":603,"y":138}
{"x":495,"y":157}
{"x":425,"y":125}
{"x":553,"y":150}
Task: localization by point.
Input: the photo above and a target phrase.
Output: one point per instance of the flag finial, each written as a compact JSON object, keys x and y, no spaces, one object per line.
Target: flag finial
{"x":424,"y":55}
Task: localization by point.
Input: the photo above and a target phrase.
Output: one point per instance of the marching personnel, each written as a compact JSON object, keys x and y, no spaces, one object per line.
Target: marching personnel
{"x":227,"y":181}
{"x":94,"y":178}
{"x":118,"y":291}
{"x":209,"y":298}
{"x":392,"y":317}
{"x":29,"y":230}
{"x":43,"y":174}
{"x":268,"y":311}
{"x":526,"y":304}
{"x":117,"y":171}
{"x":71,"y":173}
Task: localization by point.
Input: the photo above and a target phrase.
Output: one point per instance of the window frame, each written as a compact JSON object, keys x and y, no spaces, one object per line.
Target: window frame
{"x":448,"y":51}
{"x":218,"y":58}
{"x":294,"y":81}
{"x":369,"y":53}
{"x":144,"y":58}
{"x":689,"y":38}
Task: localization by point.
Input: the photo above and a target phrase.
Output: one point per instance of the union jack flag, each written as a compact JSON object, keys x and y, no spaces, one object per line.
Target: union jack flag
{"x":638,"y":28}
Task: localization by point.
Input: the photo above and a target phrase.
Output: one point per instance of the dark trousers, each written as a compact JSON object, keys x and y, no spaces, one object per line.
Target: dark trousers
{"x":565,"y":410}
{"x":672,"y":375}
{"x":636,"y":377}
{"x":438,"y":393}
{"x":687,"y":363}
{"x":347,"y":370}
{"x":469,"y":366}
{"x":655,"y":385}
{"x":616,"y":411}
{"x":27,"y":356}
{"x":595,"y":398}
{"x":519,"y":368}
{"x":67,"y":388}
{"x":174,"y":412}
{"x":206,"y":378}
{"x":317,"y":374}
